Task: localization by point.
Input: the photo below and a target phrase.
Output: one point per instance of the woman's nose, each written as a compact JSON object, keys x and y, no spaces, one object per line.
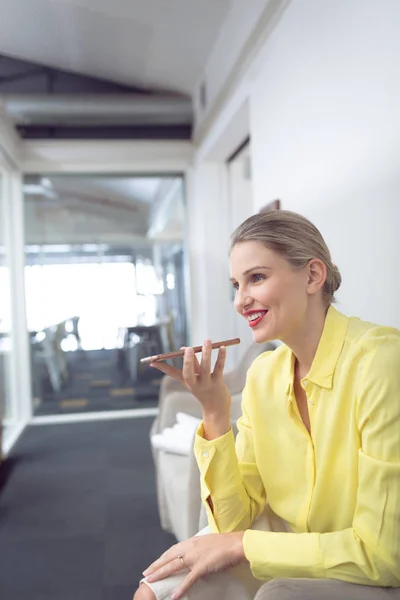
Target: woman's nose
{"x":242,"y":302}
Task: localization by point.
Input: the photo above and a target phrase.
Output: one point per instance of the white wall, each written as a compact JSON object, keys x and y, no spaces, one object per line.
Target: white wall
{"x":233,"y":35}
{"x":211,"y":310}
{"x":325,"y":129}
{"x":241,"y":206}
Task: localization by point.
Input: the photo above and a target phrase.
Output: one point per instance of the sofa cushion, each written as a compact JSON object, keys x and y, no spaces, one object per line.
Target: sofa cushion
{"x":174,"y":472}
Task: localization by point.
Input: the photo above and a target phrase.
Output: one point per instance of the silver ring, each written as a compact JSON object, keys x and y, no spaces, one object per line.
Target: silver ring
{"x":182,"y":561}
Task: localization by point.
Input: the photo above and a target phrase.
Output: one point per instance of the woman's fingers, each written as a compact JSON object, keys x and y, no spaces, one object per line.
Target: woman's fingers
{"x":220,"y":362}
{"x":205,"y":366}
{"x":172,"y":567}
{"x":168,"y":370}
{"x":197,"y":368}
{"x":188,"y":371}
{"x":164,"y":559}
{"x":188,"y":374}
{"x":168,"y":564}
{"x":194,"y":372}
{"x":196,"y":361}
{"x":187,"y":583}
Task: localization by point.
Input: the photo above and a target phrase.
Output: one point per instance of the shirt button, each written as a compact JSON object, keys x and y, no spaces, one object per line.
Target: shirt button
{"x":311,"y":402}
{"x":205,"y":454}
{"x":304,"y":384}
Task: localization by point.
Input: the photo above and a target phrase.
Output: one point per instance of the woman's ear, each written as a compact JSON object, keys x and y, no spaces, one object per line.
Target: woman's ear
{"x":316,"y":275}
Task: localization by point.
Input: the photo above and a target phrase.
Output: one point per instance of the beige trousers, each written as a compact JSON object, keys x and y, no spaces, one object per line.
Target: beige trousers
{"x":239,"y":584}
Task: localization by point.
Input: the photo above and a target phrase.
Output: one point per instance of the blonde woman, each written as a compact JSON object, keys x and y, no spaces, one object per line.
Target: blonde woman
{"x":318,"y":448}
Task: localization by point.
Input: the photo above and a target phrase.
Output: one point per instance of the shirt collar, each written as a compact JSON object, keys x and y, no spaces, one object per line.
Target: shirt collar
{"x":328,"y":351}
{"x":329,"y":348}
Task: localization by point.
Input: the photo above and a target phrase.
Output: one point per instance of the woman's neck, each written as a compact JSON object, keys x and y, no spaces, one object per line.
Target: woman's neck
{"x":305,"y":343}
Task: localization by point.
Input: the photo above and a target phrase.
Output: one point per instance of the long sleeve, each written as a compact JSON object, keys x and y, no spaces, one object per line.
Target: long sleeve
{"x":230,"y":476}
{"x":368,"y":552}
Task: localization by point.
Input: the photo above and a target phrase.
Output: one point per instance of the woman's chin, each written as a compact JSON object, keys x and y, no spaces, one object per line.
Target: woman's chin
{"x":262,"y":336}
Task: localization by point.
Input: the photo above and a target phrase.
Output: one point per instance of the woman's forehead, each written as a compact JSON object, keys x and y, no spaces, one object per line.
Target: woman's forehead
{"x":250,"y":255}
{"x":251,"y":251}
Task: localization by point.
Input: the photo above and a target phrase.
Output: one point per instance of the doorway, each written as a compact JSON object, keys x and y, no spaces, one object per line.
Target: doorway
{"x":104,"y":287}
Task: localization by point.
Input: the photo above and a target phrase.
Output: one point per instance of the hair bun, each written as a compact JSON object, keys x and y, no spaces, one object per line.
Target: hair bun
{"x":336,"y":278}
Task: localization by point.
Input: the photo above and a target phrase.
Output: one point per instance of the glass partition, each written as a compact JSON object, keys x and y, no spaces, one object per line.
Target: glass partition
{"x":104,"y":283}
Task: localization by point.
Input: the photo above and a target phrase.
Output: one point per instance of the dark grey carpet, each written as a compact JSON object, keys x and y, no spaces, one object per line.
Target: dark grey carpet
{"x":78,"y":515}
{"x":98,"y":380}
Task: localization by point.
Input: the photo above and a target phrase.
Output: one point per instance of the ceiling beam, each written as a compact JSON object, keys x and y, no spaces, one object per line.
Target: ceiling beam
{"x":49,"y":103}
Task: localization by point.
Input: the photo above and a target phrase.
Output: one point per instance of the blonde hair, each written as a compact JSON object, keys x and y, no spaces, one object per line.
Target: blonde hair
{"x":295,"y":238}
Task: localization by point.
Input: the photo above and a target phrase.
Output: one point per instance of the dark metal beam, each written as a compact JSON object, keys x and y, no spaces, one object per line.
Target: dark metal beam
{"x":20,"y":76}
{"x":27,"y":80}
{"x":15,"y":71}
{"x":148,"y":132}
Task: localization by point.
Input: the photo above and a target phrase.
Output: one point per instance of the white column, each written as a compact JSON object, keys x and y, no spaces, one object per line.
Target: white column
{"x":19,"y":324}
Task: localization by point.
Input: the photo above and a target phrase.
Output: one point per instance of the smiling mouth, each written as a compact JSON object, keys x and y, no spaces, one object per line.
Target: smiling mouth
{"x":255,"y":318}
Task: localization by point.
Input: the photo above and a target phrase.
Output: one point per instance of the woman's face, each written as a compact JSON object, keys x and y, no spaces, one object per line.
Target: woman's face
{"x":270,"y":294}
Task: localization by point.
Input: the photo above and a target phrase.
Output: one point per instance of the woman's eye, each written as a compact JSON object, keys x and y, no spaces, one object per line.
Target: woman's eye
{"x":257,"y":277}
{"x":235,"y":286}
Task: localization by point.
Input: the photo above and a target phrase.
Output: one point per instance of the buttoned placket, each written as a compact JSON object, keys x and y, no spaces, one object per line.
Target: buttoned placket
{"x":311,"y":472}
{"x":304,"y":385}
{"x":308,"y":388}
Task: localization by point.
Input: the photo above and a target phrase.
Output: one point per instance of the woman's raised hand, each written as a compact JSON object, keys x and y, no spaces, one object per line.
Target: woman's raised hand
{"x":208,"y":387}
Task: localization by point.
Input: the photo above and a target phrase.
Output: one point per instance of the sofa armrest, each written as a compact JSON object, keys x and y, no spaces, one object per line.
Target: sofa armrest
{"x":236,"y":407}
{"x":180,"y":514}
{"x":169,"y":385}
{"x":178,"y":402}
{"x":185,"y":402}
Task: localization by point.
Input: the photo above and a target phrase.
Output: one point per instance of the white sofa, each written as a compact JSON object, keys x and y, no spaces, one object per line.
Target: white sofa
{"x":177,"y":476}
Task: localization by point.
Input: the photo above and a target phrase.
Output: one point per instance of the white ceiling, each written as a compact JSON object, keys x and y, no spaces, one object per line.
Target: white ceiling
{"x":90,"y":209}
{"x":151,"y":43}
{"x":132,"y":190}
{"x":121,"y":198}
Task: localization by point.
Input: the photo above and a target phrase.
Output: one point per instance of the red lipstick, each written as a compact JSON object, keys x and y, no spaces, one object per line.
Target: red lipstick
{"x":256,"y":321}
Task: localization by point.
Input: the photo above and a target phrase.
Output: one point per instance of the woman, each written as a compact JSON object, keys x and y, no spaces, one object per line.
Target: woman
{"x":318,"y":441}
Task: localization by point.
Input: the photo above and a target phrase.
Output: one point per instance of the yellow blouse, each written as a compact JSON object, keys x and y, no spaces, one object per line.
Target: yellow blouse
{"x":338,"y":488}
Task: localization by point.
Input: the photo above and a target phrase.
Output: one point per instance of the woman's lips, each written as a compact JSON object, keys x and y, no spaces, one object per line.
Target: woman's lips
{"x":256,"y":321}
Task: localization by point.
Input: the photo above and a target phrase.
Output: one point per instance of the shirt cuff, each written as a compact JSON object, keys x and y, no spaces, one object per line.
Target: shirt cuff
{"x":219,"y":473}
{"x":275,"y":555}
{"x":202,"y":444}
{"x":218,"y":465}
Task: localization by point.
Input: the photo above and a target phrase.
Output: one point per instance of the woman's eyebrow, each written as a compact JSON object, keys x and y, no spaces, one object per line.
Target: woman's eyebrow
{"x":253,"y":269}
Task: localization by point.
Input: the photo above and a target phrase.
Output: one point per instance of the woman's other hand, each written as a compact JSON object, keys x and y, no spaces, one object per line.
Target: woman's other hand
{"x":208,"y":387}
{"x":198,"y":556}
